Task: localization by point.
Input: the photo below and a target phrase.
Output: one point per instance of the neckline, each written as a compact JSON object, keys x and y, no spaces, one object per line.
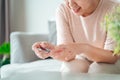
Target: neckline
{"x":97,"y":8}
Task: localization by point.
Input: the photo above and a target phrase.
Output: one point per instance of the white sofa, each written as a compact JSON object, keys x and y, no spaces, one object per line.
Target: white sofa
{"x":23,"y":58}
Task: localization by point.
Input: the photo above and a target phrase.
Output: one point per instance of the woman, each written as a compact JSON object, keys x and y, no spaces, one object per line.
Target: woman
{"x":83,"y":45}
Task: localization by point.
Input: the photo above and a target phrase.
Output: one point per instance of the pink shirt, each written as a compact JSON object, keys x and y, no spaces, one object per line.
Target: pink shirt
{"x":73,"y":28}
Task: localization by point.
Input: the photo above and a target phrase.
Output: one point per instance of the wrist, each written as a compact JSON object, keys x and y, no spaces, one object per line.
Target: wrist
{"x":83,"y":48}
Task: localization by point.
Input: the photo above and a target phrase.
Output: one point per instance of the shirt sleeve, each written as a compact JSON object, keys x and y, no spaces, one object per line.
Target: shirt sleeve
{"x":62,"y":23}
{"x":109,"y":43}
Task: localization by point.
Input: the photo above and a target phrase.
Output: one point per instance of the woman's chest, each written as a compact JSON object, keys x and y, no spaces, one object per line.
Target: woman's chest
{"x":88,"y":32}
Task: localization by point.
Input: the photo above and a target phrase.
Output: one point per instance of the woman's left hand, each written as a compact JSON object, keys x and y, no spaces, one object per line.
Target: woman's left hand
{"x":65,"y":52}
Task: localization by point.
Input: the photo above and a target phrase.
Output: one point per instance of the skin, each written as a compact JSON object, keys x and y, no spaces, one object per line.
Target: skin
{"x":66,"y":52}
{"x":82,"y":7}
{"x":41,"y":53}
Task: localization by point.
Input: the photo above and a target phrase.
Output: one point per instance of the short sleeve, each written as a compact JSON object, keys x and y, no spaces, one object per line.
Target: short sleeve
{"x":109,"y":43}
{"x":62,"y":25}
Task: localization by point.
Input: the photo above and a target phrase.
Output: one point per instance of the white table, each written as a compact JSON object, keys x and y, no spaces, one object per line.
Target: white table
{"x":49,"y":75}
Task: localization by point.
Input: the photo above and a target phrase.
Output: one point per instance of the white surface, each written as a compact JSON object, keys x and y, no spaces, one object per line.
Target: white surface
{"x":40,"y":65}
{"x":50,"y":75}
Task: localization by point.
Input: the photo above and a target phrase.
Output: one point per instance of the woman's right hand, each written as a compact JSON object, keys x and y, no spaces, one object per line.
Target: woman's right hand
{"x":36,"y":47}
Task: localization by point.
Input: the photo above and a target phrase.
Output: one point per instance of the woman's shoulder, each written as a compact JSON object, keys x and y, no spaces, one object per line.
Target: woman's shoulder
{"x":115,"y":1}
{"x":109,"y":5}
{"x":111,"y":2}
{"x":63,"y":7}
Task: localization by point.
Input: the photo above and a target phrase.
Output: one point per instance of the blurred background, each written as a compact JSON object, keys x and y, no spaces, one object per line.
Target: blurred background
{"x":25,"y":16}
{"x":32,"y":15}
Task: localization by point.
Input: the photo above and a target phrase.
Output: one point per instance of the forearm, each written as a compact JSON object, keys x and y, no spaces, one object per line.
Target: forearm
{"x":98,"y":54}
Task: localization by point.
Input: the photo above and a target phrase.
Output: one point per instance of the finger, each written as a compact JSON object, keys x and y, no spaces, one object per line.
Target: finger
{"x":70,"y":57}
{"x":42,"y":54}
{"x":47,"y":45}
{"x":36,"y":45}
{"x":42,"y":51}
{"x":57,"y":51}
{"x":58,"y":58}
{"x":42,"y":45}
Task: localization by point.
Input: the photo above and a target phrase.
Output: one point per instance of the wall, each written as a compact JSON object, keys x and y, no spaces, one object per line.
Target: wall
{"x":32,"y":15}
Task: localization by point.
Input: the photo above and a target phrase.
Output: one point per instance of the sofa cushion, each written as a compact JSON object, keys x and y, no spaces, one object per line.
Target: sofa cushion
{"x":52,"y":37}
{"x":21,"y":46}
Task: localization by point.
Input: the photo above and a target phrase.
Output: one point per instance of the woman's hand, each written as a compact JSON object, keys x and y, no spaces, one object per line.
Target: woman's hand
{"x":40,"y":49}
{"x":65,"y":52}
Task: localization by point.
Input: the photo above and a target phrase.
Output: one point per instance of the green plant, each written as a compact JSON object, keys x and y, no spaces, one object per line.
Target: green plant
{"x":112,"y":23}
{"x":5,"y":52}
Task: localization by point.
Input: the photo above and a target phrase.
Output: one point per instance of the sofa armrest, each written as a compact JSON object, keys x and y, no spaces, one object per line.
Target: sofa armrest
{"x":21,"y":43}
